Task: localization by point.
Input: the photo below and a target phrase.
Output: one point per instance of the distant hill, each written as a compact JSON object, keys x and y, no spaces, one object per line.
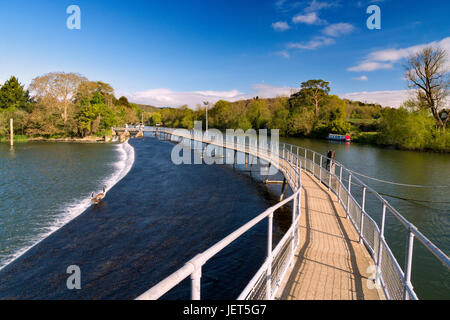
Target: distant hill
{"x":148,"y":108}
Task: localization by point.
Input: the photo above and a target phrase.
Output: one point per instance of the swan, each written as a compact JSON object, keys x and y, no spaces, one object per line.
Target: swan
{"x":99,"y":197}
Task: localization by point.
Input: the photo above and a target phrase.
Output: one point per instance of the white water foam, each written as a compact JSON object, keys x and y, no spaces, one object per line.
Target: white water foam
{"x":123,"y":166}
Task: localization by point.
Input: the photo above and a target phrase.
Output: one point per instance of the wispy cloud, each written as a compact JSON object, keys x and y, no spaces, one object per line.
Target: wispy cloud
{"x":385,"y":59}
{"x":362,"y":78}
{"x":280,"y":26}
{"x":319,"y":5}
{"x":394,"y":98}
{"x":338,"y":29}
{"x":283,"y":53}
{"x":308,"y":18}
{"x":370,"y":66}
{"x":164,"y":97}
{"x":171,"y":98}
{"x":313,"y":44}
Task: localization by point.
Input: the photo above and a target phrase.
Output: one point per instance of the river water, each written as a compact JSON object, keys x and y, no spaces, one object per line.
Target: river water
{"x":151,"y":222}
{"x":156,"y":216}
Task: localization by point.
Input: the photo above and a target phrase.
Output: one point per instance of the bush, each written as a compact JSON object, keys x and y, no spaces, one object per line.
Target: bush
{"x":408,"y":130}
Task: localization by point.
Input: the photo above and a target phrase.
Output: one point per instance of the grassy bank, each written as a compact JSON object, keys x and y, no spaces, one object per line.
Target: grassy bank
{"x":24,"y":139}
{"x":17,"y":138}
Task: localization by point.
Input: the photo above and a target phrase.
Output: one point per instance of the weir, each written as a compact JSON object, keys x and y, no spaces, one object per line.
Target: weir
{"x":333,"y":249}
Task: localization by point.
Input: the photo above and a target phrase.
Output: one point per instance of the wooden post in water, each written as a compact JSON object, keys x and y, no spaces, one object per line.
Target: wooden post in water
{"x":283,"y":189}
{"x":11,"y":124}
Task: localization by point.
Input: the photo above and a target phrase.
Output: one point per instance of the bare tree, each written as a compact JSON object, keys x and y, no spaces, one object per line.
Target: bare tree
{"x":58,"y":88}
{"x":427,"y":72}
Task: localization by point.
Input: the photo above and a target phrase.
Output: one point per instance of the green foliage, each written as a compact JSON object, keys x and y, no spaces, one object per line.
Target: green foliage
{"x":404,"y":129}
{"x":92,"y":110}
{"x":258,"y":114}
{"x":13,"y":96}
{"x":155,"y":118}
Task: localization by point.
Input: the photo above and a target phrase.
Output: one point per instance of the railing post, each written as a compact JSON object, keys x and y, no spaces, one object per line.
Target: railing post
{"x":340,"y":184}
{"x":294,"y":213}
{"x":195,"y":283}
{"x":348,"y":194}
{"x":408,"y":264}
{"x":299,"y":202}
{"x":314,"y":164}
{"x":361,"y":226}
{"x":269,"y":259}
{"x":380,"y":241}
{"x":306,"y":159}
{"x":329,"y":175}
{"x":320,"y":169}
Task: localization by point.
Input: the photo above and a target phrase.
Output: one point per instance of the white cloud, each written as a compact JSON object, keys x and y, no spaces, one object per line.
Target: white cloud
{"x":384,"y":59}
{"x":284,"y":53}
{"x":280,"y":26}
{"x":313,"y":44}
{"x":394,"y":55}
{"x":170,"y":98}
{"x":338,"y":29}
{"x":362,"y":78}
{"x":309,"y":18}
{"x":164,"y":97}
{"x":394,"y":98}
{"x":318,"y":5}
{"x":370,"y":66}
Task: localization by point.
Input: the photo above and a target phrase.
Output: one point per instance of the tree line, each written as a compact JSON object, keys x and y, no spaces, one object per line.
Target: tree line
{"x":69,"y":105}
{"x":419,"y":124}
{"x":63,"y":105}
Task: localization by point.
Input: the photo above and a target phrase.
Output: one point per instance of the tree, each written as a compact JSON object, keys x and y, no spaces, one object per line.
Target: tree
{"x":258,"y":114}
{"x":58,"y":88}
{"x":317,"y":90}
{"x":123,"y":101}
{"x":87,"y":89}
{"x":427,"y":72}
{"x":12,"y":95}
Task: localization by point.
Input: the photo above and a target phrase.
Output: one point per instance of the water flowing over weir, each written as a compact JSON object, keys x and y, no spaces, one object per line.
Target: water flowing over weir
{"x":153,"y":220}
{"x":53,"y":182}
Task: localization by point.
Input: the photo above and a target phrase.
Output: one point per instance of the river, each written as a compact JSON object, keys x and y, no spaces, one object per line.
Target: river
{"x":156,"y":216}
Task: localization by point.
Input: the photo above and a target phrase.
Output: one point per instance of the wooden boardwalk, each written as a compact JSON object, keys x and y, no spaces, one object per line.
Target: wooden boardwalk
{"x":330,"y":263}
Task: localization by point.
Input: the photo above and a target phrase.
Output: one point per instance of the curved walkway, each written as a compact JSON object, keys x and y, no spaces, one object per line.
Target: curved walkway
{"x":330,"y":263}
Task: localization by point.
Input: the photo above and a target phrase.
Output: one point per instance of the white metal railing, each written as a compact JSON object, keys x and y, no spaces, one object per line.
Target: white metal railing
{"x":277,"y":261}
{"x":395,"y":282}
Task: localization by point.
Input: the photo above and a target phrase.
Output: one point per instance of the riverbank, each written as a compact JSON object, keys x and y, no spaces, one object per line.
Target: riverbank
{"x":441,"y":144}
{"x":88,"y":139}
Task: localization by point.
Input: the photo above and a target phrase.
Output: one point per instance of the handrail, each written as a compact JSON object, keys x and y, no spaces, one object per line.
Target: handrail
{"x":292,"y":163}
{"x":199,"y":260}
{"x":411,"y":227}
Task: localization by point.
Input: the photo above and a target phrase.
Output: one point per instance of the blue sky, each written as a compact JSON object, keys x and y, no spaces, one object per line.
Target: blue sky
{"x":170,"y":52}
